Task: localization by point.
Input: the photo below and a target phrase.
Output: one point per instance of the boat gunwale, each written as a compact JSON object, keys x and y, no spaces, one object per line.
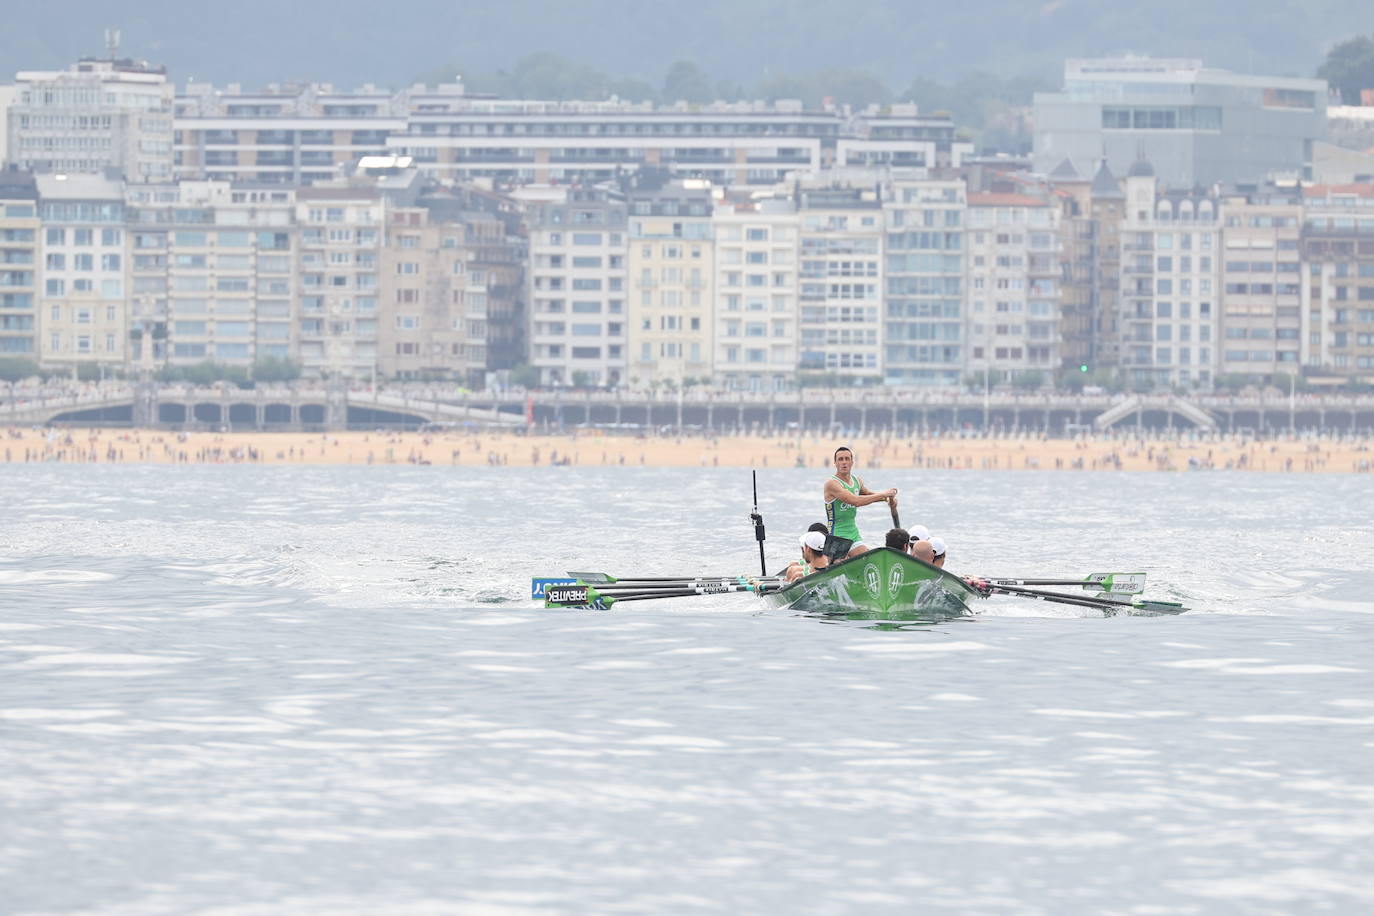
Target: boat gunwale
{"x":966,"y":590}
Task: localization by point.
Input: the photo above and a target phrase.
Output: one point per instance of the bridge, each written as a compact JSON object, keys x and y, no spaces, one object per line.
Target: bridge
{"x":263,"y":408}
{"x":882,"y":410}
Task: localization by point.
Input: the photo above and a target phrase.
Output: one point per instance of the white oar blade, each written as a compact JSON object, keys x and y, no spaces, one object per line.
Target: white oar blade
{"x":1116,"y":583}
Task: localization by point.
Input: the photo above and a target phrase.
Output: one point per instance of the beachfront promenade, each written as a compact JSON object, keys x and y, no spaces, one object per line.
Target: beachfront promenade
{"x":317,"y":407}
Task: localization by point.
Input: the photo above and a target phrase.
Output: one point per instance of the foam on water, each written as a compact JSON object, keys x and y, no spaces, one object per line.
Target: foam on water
{"x":260,"y":690}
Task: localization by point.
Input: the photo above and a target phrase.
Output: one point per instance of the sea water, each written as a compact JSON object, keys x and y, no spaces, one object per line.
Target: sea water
{"x":278,"y":689}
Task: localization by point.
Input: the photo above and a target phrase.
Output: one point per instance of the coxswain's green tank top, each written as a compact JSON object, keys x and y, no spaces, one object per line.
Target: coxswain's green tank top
{"x":841,"y":516}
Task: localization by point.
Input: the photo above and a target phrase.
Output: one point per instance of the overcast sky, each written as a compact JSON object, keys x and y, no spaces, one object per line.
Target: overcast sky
{"x":350,"y":42}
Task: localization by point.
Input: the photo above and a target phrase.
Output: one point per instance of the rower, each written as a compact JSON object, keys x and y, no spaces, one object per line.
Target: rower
{"x":844,"y":494}
{"x":937,"y":547}
{"x":897,"y":539}
{"x":918,"y":534}
{"x":920,"y":550}
{"x":813,"y":556}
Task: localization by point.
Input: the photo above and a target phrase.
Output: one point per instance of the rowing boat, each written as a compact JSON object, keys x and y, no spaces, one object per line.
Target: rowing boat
{"x":880,"y":584}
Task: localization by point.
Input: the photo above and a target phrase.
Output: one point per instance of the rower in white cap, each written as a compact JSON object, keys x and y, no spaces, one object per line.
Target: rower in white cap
{"x":813,"y":556}
{"x":938,"y":548}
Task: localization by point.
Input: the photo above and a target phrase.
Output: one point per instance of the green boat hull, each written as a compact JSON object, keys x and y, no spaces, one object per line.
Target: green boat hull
{"x":882,"y":584}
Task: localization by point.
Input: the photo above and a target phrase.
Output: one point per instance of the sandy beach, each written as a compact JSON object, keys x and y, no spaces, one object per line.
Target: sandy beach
{"x":1302,"y":455}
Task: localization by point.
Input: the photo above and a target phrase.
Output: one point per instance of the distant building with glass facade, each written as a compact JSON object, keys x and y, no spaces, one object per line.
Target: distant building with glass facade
{"x":1196,"y":126}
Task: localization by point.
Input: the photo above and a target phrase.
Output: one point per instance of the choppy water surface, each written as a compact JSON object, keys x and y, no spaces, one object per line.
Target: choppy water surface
{"x":262,"y":690}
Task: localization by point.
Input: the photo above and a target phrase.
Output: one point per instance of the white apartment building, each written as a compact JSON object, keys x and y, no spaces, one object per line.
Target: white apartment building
{"x":1170,"y":296}
{"x":578,"y":244}
{"x":756,"y":330}
{"x":898,"y":136}
{"x":20,"y":258}
{"x":1013,"y":285}
{"x":923,"y":288}
{"x":307,"y":133}
{"x":83,"y":317}
{"x":212,"y":273}
{"x":7,"y":95}
{"x":96,"y":115}
{"x":282,"y":135}
{"x":585,"y":142}
{"x":337,"y":261}
{"x":840,"y":277}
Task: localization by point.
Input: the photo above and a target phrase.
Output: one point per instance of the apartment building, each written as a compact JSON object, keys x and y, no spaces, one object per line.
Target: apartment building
{"x":95,"y":115}
{"x":1262,"y":319}
{"x":517,"y":141}
{"x":83,"y":316}
{"x":303,"y":133}
{"x":1170,"y":270}
{"x":20,"y":254}
{"x":340,"y":241}
{"x":1108,"y":209}
{"x":899,"y":136}
{"x":578,"y":251}
{"x":1080,"y":277}
{"x":212,"y":273}
{"x":840,"y":276}
{"x":283,"y":134}
{"x":756,"y":330}
{"x":434,"y":326}
{"x":1014,"y":316}
{"x":923,"y":306}
{"x":491,"y":228}
{"x":1338,"y":294}
{"x":672,"y":275}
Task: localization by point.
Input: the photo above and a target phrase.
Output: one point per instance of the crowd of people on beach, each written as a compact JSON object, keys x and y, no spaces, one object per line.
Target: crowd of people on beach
{"x":493,"y":449}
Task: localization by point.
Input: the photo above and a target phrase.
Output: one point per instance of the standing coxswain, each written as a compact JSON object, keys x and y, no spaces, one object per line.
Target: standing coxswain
{"x":844,"y":494}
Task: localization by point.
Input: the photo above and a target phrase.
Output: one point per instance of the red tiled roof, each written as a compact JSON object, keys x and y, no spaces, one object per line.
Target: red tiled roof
{"x":1342,"y":190}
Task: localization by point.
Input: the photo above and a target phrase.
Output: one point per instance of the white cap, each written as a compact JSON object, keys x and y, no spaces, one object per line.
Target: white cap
{"x":919,"y":533}
{"x":813,"y":539}
{"x":938,"y":545}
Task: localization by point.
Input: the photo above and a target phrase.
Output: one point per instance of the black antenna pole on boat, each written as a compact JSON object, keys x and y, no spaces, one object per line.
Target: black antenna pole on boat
{"x":758,"y":526}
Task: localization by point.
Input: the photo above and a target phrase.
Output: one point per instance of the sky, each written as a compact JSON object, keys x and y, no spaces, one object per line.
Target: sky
{"x":350,"y":42}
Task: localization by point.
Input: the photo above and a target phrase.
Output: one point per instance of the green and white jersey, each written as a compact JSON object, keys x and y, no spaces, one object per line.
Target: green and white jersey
{"x":841,"y":516}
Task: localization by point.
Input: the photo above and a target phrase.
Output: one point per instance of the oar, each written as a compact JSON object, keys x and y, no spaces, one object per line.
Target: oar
{"x":1114,"y":583}
{"x":597,"y":577}
{"x":591,"y":578}
{"x":892,"y":504}
{"x":703,"y":586}
{"x":1139,"y":604}
{"x":588,"y":596}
